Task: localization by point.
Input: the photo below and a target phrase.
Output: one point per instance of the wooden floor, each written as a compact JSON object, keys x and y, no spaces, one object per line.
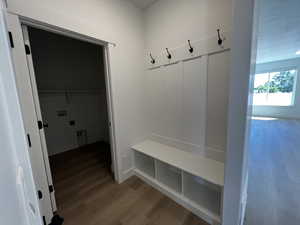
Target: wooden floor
{"x":87,"y":195}
{"x":274,"y":173}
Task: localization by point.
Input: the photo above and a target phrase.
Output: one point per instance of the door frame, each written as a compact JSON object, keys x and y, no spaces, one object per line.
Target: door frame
{"x":108,"y":86}
{"x":23,"y":192}
{"x":243,"y":55}
{"x":27,"y":97}
{"x":39,"y":117}
{"x":26,"y":100}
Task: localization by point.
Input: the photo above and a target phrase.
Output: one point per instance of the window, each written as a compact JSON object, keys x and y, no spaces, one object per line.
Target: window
{"x":275,"y":88}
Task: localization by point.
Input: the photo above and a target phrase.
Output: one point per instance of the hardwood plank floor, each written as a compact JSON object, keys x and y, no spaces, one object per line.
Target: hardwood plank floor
{"x":86,"y":194}
{"x":274,"y":173}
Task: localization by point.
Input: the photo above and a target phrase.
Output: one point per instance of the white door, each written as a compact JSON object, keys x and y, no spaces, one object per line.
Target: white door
{"x":17,"y":188}
{"x":26,"y":93}
{"x":41,"y":124}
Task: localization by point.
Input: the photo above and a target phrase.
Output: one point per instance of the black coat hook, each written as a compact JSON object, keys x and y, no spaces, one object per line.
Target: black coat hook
{"x":220,"y":41}
{"x":169,"y":55}
{"x":191,"y":50}
{"x":152,"y":59}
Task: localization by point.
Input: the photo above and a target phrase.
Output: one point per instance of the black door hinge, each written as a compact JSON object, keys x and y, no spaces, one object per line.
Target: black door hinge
{"x":57,"y":220}
{"x":40,"y":124}
{"x":27,"y":49}
{"x":51,"y":188}
{"x":11,"y":39}
{"x":29,"y":140}
{"x":44,"y":220}
{"x":40,"y":194}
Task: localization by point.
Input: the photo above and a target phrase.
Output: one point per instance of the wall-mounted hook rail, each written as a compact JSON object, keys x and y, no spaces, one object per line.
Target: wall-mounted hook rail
{"x":152,"y":59}
{"x":220,"y":41}
{"x":191,"y":49}
{"x":169,"y":55}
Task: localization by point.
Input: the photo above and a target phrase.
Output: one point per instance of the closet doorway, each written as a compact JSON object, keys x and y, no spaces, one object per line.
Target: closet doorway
{"x":70,"y":87}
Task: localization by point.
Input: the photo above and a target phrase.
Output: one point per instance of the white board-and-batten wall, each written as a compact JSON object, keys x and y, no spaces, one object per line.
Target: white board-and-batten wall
{"x":170,"y":24}
{"x":187,"y":98}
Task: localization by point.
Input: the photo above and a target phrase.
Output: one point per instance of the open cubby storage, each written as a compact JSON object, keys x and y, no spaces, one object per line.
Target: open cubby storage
{"x":190,"y":179}
{"x":202,"y":193}
{"x":145,"y":164}
{"x":169,"y":176}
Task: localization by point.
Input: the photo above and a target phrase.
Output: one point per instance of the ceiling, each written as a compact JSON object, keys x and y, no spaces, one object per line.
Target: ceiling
{"x":279,"y":30}
{"x":142,"y":4}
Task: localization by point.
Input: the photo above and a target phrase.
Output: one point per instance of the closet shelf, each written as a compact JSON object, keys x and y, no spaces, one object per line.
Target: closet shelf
{"x":208,"y":169}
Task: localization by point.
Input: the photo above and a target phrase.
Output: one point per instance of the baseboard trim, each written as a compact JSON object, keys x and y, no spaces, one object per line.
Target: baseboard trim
{"x":78,"y":147}
{"x":126,"y":175}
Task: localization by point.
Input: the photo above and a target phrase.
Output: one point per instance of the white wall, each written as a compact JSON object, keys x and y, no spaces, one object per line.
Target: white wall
{"x":88,"y":110}
{"x":14,"y":150}
{"x":288,"y":112}
{"x":171,"y":23}
{"x":242,"y":67}
{"x":11,"y":211}
{"x":84,"y":70}
{"x":110,"y":20}
{"x":62,"y":63}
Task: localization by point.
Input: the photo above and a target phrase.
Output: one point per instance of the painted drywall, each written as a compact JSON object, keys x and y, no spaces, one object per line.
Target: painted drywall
{"x":63,"y":63}
{"x":84,"y":70}
{"x":242,"y":64}
{"x":89,"y":112}
{"x":288,"y":112}
{"x":11,"y":211}
{"x":116,"y":21}
{"x":10,"y":205}
{"x":14,"y":151}
{"x":171,"y":23}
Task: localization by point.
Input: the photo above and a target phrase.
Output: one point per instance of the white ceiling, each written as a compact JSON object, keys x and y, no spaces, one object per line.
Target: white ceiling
{"x":142,"y":4}
{"x":279,"y":30}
